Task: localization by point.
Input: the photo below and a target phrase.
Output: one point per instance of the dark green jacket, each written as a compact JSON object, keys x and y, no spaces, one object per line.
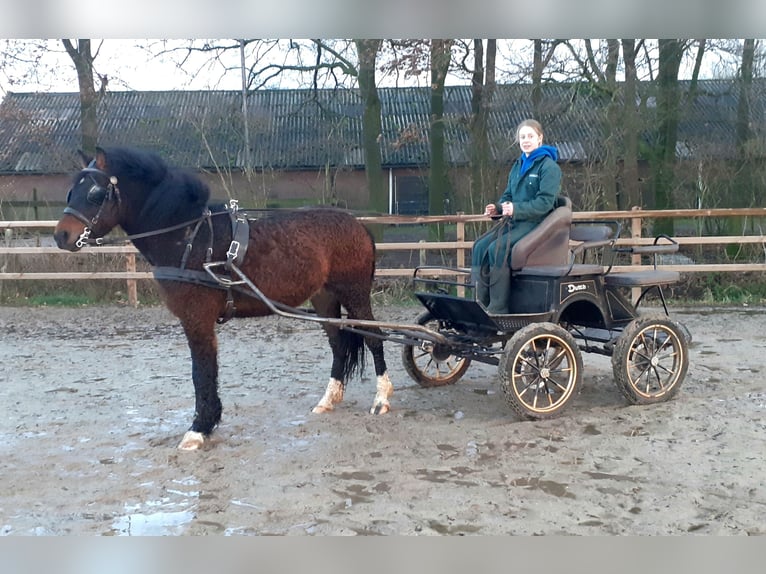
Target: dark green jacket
{"x":533,"y":194}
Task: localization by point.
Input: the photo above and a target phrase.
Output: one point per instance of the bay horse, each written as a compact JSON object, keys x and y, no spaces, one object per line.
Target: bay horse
{"x":321,"y":255}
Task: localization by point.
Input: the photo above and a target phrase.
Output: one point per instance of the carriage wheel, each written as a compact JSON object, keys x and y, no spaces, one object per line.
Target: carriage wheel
{"x":432,"y":365}
{"x":540,"y":370}
{"x":650,"y":359}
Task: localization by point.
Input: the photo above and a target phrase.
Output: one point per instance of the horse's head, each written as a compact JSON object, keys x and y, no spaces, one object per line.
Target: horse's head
{"x":93,"y":204}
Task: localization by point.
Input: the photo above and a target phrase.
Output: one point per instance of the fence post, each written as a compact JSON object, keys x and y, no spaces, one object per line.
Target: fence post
{"x":132,"y":284}
{"x":635,"y":259}
{"x":460,"y":257}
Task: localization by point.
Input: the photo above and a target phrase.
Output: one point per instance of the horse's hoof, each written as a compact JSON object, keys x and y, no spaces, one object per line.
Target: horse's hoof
{"x":322,"y":409}
{"x":192,"y":440}
{"x":380,"y":409}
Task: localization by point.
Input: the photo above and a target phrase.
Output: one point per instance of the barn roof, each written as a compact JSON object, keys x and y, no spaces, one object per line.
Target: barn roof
{"x":308,"y":129}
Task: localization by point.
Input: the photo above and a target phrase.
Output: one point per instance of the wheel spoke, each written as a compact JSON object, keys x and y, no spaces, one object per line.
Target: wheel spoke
{"x":656,"y":374}
{"x":561,"y":387}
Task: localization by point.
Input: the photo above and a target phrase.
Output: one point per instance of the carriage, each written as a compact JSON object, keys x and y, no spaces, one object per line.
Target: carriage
{"x":565,"y":300}
{"x":213,"y":262}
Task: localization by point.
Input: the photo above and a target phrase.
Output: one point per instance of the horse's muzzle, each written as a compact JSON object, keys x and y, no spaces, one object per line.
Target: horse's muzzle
{"x":66,"y":236}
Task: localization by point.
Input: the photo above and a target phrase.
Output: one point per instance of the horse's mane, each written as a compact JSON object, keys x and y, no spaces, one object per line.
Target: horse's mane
{"x":172,"y":193}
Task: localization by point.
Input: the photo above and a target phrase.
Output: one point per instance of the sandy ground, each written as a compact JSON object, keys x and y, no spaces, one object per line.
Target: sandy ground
{"x":96,"y":400}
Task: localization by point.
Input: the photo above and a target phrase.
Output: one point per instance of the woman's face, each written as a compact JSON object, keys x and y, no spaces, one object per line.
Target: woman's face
{"x":529,"y":139}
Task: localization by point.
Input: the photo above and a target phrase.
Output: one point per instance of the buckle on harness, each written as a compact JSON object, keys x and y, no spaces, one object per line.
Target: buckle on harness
{"x":233,"y":251}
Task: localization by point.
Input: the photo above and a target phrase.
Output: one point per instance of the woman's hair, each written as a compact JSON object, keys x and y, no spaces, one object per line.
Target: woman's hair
{"x":529,"y":123}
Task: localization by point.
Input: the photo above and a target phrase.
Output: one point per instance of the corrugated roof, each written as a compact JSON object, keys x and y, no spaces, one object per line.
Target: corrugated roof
{"x":306,"y":129}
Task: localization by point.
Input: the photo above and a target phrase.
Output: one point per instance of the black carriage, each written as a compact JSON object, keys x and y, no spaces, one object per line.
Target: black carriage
{"x":565,"y":300}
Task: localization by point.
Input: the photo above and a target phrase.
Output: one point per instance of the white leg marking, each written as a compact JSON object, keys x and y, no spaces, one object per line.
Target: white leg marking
{"x":385,"y":389}
{"x":192,"y":441}
{"x":332,"y":396}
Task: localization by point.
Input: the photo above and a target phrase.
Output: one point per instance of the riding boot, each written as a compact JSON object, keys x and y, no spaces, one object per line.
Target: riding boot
{"x":480,"y":277}
{"x":499,"y":290}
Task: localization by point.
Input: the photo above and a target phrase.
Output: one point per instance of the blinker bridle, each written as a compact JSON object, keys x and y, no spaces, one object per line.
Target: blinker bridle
{"x":97,"y":195}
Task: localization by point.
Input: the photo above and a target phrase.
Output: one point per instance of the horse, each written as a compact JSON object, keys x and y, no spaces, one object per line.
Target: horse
{"x":321,"y":255}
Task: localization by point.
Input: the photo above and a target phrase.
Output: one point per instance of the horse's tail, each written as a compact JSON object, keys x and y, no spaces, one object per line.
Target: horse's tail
{"x":352,"y":349}
{"x":373,"y":248}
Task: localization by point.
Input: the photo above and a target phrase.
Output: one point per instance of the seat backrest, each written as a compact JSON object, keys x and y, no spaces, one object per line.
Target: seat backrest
{"x":548,"y":243}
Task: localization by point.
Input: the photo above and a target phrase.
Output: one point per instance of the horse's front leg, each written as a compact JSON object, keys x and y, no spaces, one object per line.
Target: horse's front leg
{"x":203,"y":345}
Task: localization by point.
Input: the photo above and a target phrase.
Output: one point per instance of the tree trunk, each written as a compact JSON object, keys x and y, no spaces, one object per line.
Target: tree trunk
{"x":83,"y":61}
{"x":668,"y":111}
{"x":613,"y":130}
{"x":438,"y":181}
{"x":630,"y":196}
{"x":482,"y":189}
{"x":372,"y":126}
{"x":537,"y":78}
{"x":744,"y":192}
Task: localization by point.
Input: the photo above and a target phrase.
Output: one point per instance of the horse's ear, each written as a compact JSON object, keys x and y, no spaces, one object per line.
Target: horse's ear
{"x":100,"y":159}
{"x":84,"y":158}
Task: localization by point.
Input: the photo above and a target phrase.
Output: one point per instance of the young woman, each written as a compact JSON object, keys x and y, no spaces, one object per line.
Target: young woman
{"x":533,"y":185}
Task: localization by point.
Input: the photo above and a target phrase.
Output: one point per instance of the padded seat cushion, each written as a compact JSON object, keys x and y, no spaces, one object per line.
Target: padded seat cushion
{"x":642,"y":278}
{"x":576,"y":270}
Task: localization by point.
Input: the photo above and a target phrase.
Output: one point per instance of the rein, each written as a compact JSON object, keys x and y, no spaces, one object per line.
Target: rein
{"x":85,"y":238}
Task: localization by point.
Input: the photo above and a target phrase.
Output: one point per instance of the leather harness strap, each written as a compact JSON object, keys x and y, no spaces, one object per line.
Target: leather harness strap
{"x":240,"y":238}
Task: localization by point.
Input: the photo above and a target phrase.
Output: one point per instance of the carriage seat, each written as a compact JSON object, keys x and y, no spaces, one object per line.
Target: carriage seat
{"x":563,"y":259}
{"x":548,"y":243}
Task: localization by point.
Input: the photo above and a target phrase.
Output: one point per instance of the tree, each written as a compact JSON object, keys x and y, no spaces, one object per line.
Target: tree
{"x":441,"y":52}
{"x":482,"y":89}
{"x":372,"y":127}
{"x":631,"y":195}
{"x":543,"y":51}
{"x":83,"y":58}
{"x":745,"y":182}
{"x":613,"y":131}
{"x":668,"y":110}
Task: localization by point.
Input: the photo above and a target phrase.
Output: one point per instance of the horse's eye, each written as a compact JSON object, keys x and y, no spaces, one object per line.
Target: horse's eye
{"x":96,"y":195}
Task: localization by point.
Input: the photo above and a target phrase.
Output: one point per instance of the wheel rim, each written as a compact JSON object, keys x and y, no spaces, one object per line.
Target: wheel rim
{"x":434,"y":363}
{"x":544,"y":373}
{"x":654,"y":361}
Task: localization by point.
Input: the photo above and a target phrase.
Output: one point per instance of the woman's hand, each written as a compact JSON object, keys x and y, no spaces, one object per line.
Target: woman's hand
{"x":507,"y":209}
{"x":490,"y":209}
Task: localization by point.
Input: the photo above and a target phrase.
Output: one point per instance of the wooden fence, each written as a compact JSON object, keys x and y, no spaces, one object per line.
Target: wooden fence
{"x":634,"y":220}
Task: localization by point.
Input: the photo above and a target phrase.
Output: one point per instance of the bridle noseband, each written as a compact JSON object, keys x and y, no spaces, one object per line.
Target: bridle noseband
{"x":97,"y":195}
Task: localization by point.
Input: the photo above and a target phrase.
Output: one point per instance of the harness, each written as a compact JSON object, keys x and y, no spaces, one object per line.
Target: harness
{"x":235,"y":255}
{"x":100,"y":195}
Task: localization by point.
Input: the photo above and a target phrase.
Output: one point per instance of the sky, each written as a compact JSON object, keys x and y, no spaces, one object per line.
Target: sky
{"x":126,"y":63}
{"x":139,"y":64}
{"x":121,"y":20}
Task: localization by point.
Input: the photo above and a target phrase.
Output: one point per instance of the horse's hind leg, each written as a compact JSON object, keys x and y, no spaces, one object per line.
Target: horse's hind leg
{"x":359,"y":306}
{"x":345,"y":352}
{"x":385,"y":387}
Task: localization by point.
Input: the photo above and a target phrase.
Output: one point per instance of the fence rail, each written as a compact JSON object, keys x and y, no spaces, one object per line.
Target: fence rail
{"x":635,"y":217}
